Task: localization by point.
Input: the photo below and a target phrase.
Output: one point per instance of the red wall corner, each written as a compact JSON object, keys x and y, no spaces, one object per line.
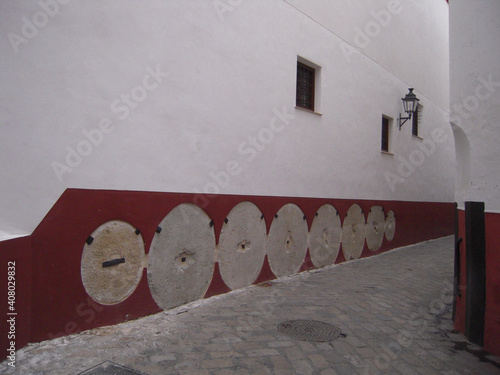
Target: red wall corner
{"x":18,"y":251}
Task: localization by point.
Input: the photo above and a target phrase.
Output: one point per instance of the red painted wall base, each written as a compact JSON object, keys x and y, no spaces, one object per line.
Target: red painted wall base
{"x":492,"y":314}
{"x":51,"y":300}
{"x":15,"y":294}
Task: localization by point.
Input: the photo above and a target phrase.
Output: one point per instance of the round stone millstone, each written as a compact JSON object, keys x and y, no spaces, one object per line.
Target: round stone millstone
{"x":390,"y":225}
{"x":353,"y":233}
{"x":287,"y":241}
{"x":112,"y":262}
{"x":242,"y":245}
{"x":182,"y":257}
{"x":325,"y":236}
{"x":309,"y":330}
{"x":375,"y":228}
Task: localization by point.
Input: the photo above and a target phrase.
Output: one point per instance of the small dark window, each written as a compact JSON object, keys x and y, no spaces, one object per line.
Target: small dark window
{"x":415,"y":120}
{"x":305,"y":86}
{"x":385,"y":134}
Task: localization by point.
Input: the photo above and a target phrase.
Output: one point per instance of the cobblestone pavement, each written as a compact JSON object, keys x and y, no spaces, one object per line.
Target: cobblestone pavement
{"x":393,"y":310}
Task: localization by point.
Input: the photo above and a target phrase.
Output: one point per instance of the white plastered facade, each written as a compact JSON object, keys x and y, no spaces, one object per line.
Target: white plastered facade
{"x":475,"y":100}
{"x":199,"y":96}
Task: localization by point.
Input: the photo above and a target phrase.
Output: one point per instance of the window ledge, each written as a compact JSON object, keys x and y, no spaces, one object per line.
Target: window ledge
{"x":308,"y":110}
{"x":386,"y":152}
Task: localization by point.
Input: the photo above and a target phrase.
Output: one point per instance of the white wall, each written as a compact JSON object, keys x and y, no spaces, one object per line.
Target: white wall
{"x":231,"y":74}
{"x":475,"y":99}
{"x":407,"y":38}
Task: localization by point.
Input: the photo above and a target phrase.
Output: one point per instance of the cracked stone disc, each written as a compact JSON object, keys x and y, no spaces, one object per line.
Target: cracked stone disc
{"x":242,"y":245}
{"x":181,"y":259}
{"x":353,"y":233}
{"x":375,"y":228}
{"x":325,"y":236}
{"x":287,"y":241}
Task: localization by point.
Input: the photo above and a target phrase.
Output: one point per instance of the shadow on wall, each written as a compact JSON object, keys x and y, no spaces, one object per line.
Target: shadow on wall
{"x":463,"y":175}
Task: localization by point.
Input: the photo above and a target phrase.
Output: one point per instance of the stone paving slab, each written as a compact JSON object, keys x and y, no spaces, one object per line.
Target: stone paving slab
{"x":393,"y":310}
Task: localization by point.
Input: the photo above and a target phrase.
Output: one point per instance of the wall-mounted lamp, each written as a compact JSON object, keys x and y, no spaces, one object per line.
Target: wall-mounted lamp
{"x":410,"y":104}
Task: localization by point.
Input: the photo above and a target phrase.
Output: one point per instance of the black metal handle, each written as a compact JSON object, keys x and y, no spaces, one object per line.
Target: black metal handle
{"x":113,"y":262}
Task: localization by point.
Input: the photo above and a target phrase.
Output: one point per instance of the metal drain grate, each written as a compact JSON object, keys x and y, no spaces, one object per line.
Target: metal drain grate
{"x":309,"y":330}
{"x":110,"y":368}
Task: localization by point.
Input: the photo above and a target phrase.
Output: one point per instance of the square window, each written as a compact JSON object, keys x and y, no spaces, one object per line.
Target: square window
{"x":305,"y":86}
{"x":385,"y":134}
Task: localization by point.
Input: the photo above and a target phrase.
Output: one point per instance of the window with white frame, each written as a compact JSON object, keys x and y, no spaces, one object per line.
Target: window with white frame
{"x":307,"y":85}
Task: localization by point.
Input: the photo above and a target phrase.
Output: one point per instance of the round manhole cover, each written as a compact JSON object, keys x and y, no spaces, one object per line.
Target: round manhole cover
{"x":309,"y":330}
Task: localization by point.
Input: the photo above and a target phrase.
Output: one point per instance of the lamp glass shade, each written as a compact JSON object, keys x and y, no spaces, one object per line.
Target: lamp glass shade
{"x":410,"y":102}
